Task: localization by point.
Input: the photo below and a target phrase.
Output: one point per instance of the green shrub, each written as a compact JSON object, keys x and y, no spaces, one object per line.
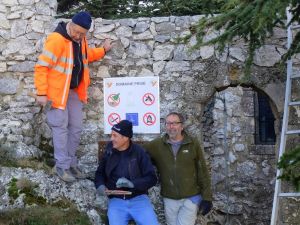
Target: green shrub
{"x":290,"y":165}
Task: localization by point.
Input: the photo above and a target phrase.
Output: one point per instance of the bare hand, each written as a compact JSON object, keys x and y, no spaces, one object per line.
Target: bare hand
{"x":42,"y":100}
{"x":107,"y":45}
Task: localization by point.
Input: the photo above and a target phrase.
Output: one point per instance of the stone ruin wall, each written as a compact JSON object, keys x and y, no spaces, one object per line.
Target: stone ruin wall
{"x":196,"y":84}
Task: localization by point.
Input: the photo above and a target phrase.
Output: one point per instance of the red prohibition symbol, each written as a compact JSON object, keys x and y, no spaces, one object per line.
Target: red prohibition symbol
{"x":148,"y":99}
{"x":114,"y":118}
{"x":113,"y":100}
{"x":149,"y":119}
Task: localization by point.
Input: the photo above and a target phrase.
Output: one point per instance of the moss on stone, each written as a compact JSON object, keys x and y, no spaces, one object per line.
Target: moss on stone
{"x":42,"y":213}
{"x":13,"y":191}
{"x":26,"y":187}
{"x":5,"y":159}
{"x":62,"y":203}
{"x":48,"y":151}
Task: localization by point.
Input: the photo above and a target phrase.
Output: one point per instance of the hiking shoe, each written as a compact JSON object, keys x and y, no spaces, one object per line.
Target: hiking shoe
{"x":76,"y":172}
{"x":65,"y":175}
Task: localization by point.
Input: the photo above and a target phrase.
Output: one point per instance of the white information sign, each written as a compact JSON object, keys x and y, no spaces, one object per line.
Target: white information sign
{"x":132,"y":98}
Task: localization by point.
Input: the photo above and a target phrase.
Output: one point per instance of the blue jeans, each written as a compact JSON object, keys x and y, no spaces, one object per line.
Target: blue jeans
{"x":139,"y":209}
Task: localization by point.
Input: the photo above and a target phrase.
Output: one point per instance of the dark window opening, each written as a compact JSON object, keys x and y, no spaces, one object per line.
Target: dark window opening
{"x":264,"y":120}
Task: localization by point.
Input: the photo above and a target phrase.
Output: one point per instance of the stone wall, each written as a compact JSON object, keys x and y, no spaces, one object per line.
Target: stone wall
{"x":191,"y":82}
{"x":241,"y":176}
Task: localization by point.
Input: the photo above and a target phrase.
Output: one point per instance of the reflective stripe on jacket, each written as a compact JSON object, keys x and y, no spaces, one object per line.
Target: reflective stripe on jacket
{"x":53,"y":71}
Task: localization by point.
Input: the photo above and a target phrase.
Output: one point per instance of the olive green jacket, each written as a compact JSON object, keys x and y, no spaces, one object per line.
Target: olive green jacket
{"x":184,"y":175}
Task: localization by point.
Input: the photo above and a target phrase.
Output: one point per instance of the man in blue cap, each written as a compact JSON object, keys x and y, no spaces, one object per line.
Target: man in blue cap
{"x":62,"y":76}
{"x":125,"y":166}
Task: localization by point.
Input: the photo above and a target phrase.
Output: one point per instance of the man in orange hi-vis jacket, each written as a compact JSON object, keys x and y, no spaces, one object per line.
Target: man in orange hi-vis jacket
{"x":62,"y":76}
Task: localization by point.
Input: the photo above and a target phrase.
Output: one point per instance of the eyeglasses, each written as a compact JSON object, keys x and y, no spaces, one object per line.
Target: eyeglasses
{"x":172,"y":123}
{"x":77,"y":32}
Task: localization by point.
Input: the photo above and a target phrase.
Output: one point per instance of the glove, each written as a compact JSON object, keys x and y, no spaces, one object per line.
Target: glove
{"x":205,"y":207}
{"x":124,"y":182}
{"x":101,"y":190}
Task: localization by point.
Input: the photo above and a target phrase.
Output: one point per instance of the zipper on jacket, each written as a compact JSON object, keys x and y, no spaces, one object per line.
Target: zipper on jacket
{"x":77,"y":77}
{"x":175,"y":169}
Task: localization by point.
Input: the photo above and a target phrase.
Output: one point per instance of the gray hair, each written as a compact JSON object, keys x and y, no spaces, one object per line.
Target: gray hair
{"x":180,"y":116}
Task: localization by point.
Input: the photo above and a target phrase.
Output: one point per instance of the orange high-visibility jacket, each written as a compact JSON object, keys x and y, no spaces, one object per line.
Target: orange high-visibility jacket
{"x":53,"y":71}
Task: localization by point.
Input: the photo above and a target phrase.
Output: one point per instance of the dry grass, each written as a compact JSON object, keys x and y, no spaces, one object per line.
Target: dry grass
{"x":48,"y":215}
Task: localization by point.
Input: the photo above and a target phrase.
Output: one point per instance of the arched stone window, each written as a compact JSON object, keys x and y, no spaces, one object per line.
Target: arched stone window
{"x":264,"y":120}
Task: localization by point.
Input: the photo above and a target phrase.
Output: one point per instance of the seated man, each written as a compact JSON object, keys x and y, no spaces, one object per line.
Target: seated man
{"x":125,"y":173}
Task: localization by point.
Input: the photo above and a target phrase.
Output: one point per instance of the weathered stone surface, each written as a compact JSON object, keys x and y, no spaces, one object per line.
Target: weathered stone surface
{"x":128,"y":22}
{"x":141,"y":27}
{"x":16,"y":45}
{"x":276,"y":91}
{"x":163,"y":52}
{"x":143,"y":36}
{"x":26,"y":2}
{"x":10,"y":2}
{"x":103,"y":72}
{"x":124,"y":31}
{"x":165,"y":28}
{"x":158,"y":67}
{"x":8,"y":86}
{"x":139,"y":50}
{"x":22,"y":67}
{"x":125,"y":42}
{"x":3,"y":8}
{"x":43,"y":8}
{"x":105,"y":29}
{"x":4,"y":34}
{"x":177,"y":66}
{"x":183,"y":21}
{"x":26,"y":14}
{"x":90,"y":133}
{"x":22,"y":151}
{"x":267,"y":56}
{"x":53,"y":5}
{"x":191,"y":82}
{"x":4,"y":23}
{"x":160,"y":19}
{"x":38,"y":26}
{"x":162,"y":38}
{"x":238,"y":53}
{"x":207,"y":52}
{"x":3,"y":67}
{"x":14,"y":16}
{"x":146,"y":73}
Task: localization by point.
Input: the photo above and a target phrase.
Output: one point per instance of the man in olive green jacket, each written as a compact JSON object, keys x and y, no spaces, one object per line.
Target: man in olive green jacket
{"x":184,"y":177}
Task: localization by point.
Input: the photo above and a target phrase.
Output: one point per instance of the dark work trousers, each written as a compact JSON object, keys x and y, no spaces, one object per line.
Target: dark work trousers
{"x":66,"y":128}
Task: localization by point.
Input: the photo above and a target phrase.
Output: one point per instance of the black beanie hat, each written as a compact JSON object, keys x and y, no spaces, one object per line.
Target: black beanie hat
{"x":82,"y":19}
{"x":124,"y":128}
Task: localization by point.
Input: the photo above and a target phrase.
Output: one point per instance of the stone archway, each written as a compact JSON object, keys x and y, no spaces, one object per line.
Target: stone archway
{"x":242,"y":171}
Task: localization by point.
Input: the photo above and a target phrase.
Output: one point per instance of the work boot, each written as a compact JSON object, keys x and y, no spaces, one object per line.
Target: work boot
{"x":76,"y":172}
{"x":63,"y":174}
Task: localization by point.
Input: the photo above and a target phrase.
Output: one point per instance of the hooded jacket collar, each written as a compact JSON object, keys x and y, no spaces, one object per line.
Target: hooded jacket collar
{"x":62,"y":29}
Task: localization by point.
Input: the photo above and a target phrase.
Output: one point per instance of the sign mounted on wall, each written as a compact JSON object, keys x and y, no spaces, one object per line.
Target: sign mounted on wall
{"x":132,"y":98}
